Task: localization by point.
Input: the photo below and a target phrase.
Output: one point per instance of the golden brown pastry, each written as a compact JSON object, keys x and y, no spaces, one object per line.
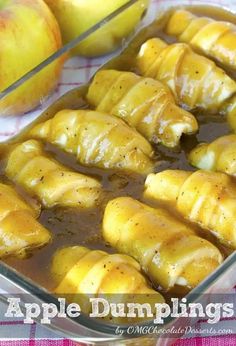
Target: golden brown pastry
{"x":81,"y":273}
{"x":219,"y":155}
{"x":204,"y":197}
{"x":54,"y":184}
{"x":19,"y":230}
{"x":97,"y":139}
{"x":230,"y":110}
{"x":216,"y":39}
{"x":144,"y":103}
{"x":195,"y":81}
{"x":167,"y":249}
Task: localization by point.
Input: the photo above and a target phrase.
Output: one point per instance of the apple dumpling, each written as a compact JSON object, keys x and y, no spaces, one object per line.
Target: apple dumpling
{"x":144,"y":103}
{"x":54,"y":184}
{"x":81,"y":273}
{"x":204,"y":197}
{"x":216,"y":39}
{"x":196,"y":81}
{"x":169,"y":251}
{"x":220,"y":155}
{"x":20,"y":232}
{"x":97,"y":139}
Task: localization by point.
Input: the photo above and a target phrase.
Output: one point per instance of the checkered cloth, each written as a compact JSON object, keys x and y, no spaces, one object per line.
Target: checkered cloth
{"x":76,"y":72}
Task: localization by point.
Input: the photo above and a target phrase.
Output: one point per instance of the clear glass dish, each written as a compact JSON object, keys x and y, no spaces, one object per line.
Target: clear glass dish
{"x":84,"y":328}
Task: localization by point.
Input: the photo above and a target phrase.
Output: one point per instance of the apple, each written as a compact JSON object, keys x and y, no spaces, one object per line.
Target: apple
{"x":76,"y":16}
{"x":29,"y":33}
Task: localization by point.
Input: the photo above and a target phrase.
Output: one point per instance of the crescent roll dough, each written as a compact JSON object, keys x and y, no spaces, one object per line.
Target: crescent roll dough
{"x":204,"y":197}
{"x":220,"y":155}
{"x":216,"y":39}
{"x":144,"y":103}
{"x":195,"y":81}
{"x":54,"y":184}
{"x":81,"y":273}
{"x":97,"y":139}
{"x":19,"y":230}
{"x":167,"y":249}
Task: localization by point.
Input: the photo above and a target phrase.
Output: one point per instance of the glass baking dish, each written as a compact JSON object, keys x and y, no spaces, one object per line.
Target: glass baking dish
{"x":85,"y":329}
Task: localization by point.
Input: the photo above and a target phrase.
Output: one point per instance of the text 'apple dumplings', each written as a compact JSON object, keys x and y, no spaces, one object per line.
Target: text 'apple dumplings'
{"x":216,"y":39}
{"x":97,"y":139}
{"x":143,"y":103}
{"x":169,"y":251}
{"x":81,"y":273}
{"x":54,"y":184}
{"x":220,"y":155}
{"x":20,"y":232}
{"x":204,"y":197}
{"x":195,"y":81}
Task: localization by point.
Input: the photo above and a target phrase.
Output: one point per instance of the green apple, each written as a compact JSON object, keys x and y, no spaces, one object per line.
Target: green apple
{"x":76,"y":16}
{"x":29,"y":33}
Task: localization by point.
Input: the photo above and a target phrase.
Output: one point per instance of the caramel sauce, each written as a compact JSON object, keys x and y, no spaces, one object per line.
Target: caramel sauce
{"x":71,"y":226}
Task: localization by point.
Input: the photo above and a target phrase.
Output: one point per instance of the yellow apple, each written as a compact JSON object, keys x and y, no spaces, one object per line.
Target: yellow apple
{"x":76,"y":16}
{"x":29,"y":33}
